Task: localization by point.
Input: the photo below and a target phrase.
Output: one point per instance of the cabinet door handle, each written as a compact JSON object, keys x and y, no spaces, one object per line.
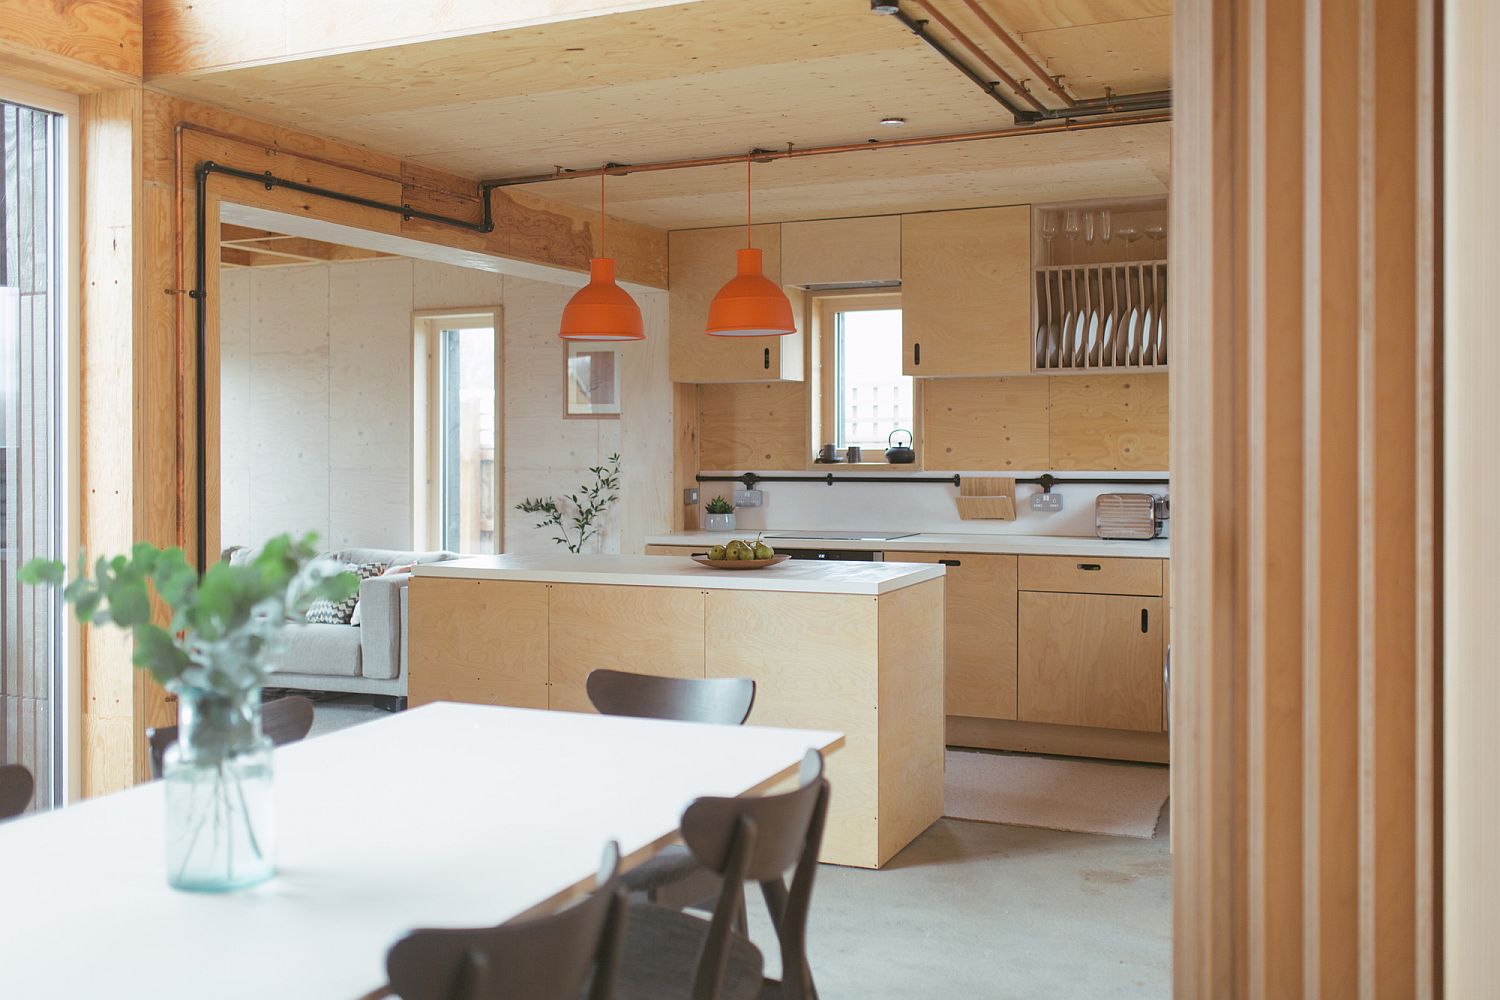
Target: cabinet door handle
{"x":951,"y":562}
{"x":1090,"y":567}
{"x":768,"y":359}
{"x":916,"y":353}
{"x":1145,"y":621}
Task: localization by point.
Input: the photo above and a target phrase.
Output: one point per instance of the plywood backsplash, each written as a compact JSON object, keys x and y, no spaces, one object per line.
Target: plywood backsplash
{"x":1088,"y":422}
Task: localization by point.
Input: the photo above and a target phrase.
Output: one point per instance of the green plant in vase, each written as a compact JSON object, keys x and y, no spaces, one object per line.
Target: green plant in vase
{"x":227,"y":628}
{"x":584,"y":511}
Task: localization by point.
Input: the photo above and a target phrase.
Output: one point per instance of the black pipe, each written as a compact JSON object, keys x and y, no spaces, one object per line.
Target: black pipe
{"x":827,"y":478}
{"x":1159,"y":100}
{"x":199,"y":294}
{"x":919,"y":28}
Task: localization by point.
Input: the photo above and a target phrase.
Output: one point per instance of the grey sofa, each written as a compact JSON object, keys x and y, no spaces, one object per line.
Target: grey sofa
{"x":368,"y":658}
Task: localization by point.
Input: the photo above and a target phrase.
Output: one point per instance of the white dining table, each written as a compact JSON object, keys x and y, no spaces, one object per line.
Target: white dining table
{"x":445,"y":815}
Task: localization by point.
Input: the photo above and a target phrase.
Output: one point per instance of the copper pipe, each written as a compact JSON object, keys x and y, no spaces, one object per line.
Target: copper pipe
{"x":981,"y":55}
{"x":767,"y":155}
{"x":1020,"y":52}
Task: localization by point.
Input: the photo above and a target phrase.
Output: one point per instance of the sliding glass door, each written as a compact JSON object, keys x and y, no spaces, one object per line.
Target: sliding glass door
{"x":30,"y":441}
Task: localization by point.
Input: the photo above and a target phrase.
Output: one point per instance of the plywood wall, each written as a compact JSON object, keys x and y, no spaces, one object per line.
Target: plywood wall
{"x":81,"y":45}
{"x":1030,"y":422}
{"x":316,"y":389}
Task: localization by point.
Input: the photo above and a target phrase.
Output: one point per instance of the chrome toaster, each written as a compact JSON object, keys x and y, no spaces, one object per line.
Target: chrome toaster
{"x":1129,"y":515}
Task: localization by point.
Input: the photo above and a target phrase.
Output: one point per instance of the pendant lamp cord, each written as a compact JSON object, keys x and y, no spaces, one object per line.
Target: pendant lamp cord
{"x":748,"y":244}
{"x":602,"y":216}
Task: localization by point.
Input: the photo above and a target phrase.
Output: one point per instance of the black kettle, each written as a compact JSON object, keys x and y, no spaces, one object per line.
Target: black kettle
{"x":900,"y":454}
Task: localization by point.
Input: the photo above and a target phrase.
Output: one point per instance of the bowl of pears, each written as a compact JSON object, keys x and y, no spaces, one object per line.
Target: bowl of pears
{"x":740,"y":554}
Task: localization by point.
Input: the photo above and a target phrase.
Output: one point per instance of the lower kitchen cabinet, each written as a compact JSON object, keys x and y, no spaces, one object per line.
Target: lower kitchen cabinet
{"x":980,"y":621}
{"x":1091,"y":660}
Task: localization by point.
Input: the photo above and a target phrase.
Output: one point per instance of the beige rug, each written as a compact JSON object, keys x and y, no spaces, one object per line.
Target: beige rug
{"x":1086,"y":796}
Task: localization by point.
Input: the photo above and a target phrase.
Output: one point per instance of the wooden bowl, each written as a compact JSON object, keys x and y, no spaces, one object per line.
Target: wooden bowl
{"x":701,"y":558}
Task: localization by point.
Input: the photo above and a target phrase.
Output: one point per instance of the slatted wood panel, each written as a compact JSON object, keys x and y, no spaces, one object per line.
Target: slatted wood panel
{"x":1304,"y":436}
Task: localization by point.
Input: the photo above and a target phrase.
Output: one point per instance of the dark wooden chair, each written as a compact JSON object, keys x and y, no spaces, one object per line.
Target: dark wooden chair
{"x":285,"y":720}
{"x":545,"y":958}
{"x":673,"y":955}
{"x":725,"y":701}
{"x":16,"y":787}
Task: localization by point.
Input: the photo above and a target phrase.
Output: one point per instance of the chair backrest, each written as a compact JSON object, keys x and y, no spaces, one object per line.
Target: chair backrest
{"x":16,"y":786}
{"x":285,"y":720}
{"x":759,"y":840}
{"x":723,"y":700}
{"x":545,"y":958}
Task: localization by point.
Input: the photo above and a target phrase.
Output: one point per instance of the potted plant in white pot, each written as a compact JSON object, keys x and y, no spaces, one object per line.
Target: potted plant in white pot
{"x":718,"y":515}
{"x":227,"y":628}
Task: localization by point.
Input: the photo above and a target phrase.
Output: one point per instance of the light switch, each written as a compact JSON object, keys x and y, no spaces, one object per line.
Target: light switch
{"x":690,"y":497}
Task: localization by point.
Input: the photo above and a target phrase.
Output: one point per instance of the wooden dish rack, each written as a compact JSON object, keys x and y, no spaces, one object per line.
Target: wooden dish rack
{"x":1101,"y":316}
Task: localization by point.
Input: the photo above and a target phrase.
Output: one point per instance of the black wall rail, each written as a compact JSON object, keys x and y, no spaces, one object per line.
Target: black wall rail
{"x":1045,"y":481}
{"x":199,"y":294}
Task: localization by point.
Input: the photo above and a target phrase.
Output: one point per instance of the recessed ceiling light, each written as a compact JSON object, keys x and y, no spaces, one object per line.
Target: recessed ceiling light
{"x":892,"y":120}
{"x":884,"y":6}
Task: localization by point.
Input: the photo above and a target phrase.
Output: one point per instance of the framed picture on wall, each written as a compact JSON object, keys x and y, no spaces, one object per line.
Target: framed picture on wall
{"x":591,"y":377}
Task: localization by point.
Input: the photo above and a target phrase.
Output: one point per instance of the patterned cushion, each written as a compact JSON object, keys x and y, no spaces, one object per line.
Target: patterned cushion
{"x":324,"y":612}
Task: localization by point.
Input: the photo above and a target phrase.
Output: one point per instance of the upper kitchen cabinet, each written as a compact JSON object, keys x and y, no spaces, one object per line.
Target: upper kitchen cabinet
{"x":849,"y":252}
{"x":966,"y":292}
{"x":701,"y":261}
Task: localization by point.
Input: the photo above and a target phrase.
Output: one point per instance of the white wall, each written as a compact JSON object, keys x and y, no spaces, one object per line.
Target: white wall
{"x":317,"y":403}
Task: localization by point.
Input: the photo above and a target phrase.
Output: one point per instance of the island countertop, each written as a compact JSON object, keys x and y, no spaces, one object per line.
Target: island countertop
{"x":793,"y":575}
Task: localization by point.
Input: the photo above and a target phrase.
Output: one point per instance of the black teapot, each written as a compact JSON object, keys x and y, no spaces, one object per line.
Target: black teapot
{"x":900,"y":454}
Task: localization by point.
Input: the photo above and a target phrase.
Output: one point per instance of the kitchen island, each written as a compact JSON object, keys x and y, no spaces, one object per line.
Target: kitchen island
{"x":851,"y":647}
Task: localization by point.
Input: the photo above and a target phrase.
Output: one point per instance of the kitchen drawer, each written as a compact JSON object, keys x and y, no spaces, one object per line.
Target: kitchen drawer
{"x":1091,"y":575}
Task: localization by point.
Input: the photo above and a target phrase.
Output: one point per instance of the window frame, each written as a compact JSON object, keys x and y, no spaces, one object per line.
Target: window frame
{"x":427,"y":497}
{"x":826,"y":306}
{"x":68,"y":668}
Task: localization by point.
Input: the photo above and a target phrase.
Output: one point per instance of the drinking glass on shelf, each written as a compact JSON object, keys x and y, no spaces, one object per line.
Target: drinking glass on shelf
{"x":1070,"y":224}
{"x":1157,"y":232}
{"x":1049,"y":231}
{"x":1129,"y":234}
{"x":1104,"y":225}
{"x":1088,"y":228}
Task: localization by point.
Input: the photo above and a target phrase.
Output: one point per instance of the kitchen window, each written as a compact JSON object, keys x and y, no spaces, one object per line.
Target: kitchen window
{"x":865,"y":394}
{"x":458,"y":437}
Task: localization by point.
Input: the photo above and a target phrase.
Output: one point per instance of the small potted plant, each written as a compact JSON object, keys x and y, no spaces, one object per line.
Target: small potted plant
{"x":719,"y":515}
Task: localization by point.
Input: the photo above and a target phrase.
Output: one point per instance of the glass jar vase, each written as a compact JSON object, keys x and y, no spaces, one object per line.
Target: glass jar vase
{"x":220,"y":813}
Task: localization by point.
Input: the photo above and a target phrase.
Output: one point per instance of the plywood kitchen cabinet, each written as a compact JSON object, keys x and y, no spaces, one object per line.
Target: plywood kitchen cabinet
{"x":1091,"y":660}
{"x":701,"y":261}
{"x":841,"y":251}
{"x":478,"y":642}
{"x":980,"y":621}
{"x":966,"y":292}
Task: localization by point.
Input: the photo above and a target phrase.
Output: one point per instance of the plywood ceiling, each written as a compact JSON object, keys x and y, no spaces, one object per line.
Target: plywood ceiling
{"x":721,"y":76}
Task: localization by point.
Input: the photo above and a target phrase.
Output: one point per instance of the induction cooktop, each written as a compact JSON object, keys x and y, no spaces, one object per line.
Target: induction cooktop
{"x":843,"y":536}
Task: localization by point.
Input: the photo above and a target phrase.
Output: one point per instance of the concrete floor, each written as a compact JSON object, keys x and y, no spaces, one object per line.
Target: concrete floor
{"x":977,"y":911}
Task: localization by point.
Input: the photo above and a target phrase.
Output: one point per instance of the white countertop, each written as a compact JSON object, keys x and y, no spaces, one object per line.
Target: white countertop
{"x":1029,"y":545}
{"x":799,"y":575}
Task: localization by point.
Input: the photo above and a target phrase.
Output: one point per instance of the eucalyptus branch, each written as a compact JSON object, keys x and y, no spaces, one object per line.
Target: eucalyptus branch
{"x":583,"y":511}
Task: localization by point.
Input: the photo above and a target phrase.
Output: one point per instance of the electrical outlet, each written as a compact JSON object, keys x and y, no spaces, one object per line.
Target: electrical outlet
{"x":749,"y":498}
{"x":1050,"y":502}
{"x":690,"y":497}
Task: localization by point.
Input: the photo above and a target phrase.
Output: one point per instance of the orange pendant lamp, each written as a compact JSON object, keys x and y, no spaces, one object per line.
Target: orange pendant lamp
{"x":602,"y":310}
{"x":750,"y":304}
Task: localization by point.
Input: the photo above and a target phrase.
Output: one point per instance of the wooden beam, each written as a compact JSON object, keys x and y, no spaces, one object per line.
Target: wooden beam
{"x":196,"y":37}
{"x":298,"y":248}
